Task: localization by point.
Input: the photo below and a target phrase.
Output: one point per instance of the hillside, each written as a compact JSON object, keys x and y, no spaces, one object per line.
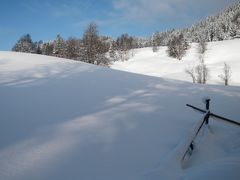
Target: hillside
{"x":62,"y":119}
{"x":159,"y":64}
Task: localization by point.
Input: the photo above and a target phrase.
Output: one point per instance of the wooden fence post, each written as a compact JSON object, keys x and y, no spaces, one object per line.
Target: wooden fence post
{"x":207,"y":109}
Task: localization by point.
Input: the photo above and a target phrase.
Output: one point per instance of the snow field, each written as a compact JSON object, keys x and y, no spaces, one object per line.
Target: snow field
{"x":62,"y":119}
{"x":159,"y":64}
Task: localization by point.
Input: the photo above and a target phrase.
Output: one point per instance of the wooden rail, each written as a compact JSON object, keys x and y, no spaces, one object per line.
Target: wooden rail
{"x":195,"y":132}
{"x":215,"y":115}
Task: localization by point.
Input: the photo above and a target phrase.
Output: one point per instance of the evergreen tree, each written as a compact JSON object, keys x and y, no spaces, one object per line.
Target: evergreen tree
{"x":59,"y":47}
{"x":177,"y":47}
{"x":38,"y":47}
{"x":24,"y":44}
{"x":47,"y":49}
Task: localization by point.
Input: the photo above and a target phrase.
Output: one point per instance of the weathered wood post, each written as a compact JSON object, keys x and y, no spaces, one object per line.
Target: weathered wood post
{"x":207,"y":101}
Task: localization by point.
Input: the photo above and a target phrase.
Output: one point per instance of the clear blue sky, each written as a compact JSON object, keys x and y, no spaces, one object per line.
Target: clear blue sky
{"x":44,"y":19}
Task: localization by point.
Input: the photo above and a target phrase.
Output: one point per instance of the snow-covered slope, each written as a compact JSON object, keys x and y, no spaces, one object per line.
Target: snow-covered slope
{"x":159,"y":64}
{"x":61,"y":119}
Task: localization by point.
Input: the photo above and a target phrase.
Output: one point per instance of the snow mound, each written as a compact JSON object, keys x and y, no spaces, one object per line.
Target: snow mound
{"x":62,"y":119}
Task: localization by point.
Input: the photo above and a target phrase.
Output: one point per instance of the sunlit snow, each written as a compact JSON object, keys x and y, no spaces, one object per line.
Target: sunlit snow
{"x":62,"y":119}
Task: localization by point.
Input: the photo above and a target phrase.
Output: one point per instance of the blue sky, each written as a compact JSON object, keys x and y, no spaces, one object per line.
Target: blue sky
{"x":44,"y":19}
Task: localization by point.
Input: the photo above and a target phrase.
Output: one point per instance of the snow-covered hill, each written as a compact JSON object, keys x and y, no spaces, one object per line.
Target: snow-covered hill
{"x":62,"y":119}
{"x":159,"y":64}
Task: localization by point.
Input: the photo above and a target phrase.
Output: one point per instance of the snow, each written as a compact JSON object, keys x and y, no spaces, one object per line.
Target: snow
{"x":62,"y":119}
{"x":158,"y":64}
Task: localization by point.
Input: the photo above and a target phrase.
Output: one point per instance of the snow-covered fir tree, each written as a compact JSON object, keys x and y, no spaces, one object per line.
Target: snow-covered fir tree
{"x":47,"y":48}
{"x":177,"y":46}
{"x":38,"y":47}
{"x":24,"y":44}
{"x":59,"y":47}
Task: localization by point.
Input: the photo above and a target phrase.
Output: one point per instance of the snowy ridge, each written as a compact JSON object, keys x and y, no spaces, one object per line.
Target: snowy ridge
{"x":62,"y":119}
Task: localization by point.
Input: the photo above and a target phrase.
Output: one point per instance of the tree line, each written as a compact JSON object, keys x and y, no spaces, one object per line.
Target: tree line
{"x":91,"y":48}
{"x":223,"y":26}
{"x":102,"y":50}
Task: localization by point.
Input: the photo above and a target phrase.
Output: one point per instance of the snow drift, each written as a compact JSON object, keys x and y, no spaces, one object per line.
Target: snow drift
{"x":62,"y":119}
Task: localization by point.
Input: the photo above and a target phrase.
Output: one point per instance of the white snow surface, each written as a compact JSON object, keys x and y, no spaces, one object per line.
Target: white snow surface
{"x":62,"y":119}
{"x":159,"y":64}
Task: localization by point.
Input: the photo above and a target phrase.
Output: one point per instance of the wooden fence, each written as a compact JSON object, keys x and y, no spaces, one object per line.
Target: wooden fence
{"x":200,"y":125}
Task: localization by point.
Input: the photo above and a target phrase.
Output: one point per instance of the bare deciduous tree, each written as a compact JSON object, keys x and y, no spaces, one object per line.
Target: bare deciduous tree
{"x":94,"y":48}
{"x":202,"y":46}
{"x":154,"y":42}
{"x":124,"y":44}
{"x":226,"y":74}
{"x":72,"y":50}
{"x":199,"y":73}
{"x":191,"y":71}
{"x":90,"y":43}
{"x":202,"y":71}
